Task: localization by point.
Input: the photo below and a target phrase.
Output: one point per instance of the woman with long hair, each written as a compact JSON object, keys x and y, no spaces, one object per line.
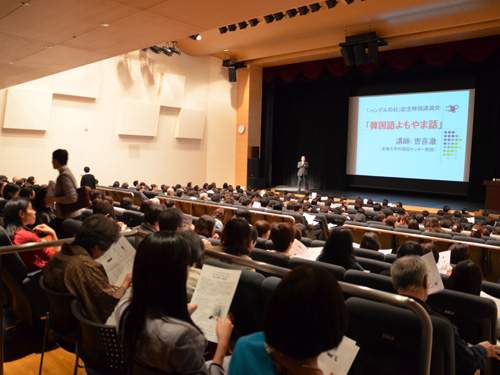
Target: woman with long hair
{"x":338,"y":250}
{"x":19,"y":215}
{"x":155,"y":324}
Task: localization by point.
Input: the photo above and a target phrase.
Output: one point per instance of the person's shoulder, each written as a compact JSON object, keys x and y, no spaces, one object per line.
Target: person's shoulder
{"x":23,"y":236}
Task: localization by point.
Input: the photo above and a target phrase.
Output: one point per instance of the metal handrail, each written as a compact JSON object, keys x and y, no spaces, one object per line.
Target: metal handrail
{"x":364,"y":292}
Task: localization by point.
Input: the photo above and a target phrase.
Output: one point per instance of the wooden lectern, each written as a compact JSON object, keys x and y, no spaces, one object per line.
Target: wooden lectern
{"x":492,"y":195}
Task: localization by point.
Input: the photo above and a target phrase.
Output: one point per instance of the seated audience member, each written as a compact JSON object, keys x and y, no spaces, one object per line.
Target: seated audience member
{"x":196,"y":259}
{"x":205,"y":226}
{"x":392,"y":221}
{"x":151,"y":216}
{"x":429,"y":247}
{"x":302,"y":230}
{"x":466,"y":277}
{"x":457,"y":227}
{"x":410,"y":278}
{"x":95,"y":194}
{"x":459,"y":252}
{"x":75,"y":270}
{"x":370,"y":241}
{"x":432,"y":225}
{"x":244,"y":213}
{"x":263,"y":228}
{"x":410,"y":248}
{"x":18,"y":215}
{"x":155,"y":326}
{"x":477,"y":231}
{"x":125,"y":185}
{"x":338,"y":250}
{"x":170,"y":203}
{"x":490,"y":221}
{"x":413,"y":224}
{"x":11,"y":191}
{"x":379,"y":216}
{"x":104,"y":208}
{"x":144,"y":205}
{"x":126,"y":203}
{"x":359,"y":218}
{"x":282,"y":236}
{"x":220,"y":217}
{"x":28,"y":193}
{"x":171,"y":219}
{"x":282,"y":350}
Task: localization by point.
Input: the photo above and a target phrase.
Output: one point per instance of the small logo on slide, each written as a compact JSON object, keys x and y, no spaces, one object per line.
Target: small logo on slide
{"x":452,"y":108}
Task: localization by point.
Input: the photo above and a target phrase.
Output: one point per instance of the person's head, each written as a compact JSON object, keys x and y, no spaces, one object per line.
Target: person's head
{"x":379,"y":216}
{"x":466,"y":277}
{"x":282,"y":236}
{"x":220,"y":214}
{"x":432,"y":225}
{"x":103,"y":207}
{"x":152,"y":214}
{"x":392,"y":221}
{"x":205,"y":226}
{"x":159,"y":278}
{"x":263,"y":228}
{"x":410,"y":248}
{"x":457,"y":227}
{"x":291,"y":301}
{"x":11,"y":191}
{"x":18,"y":213}
{"x":59,"y":158}
{"x":145,"y":205}
{"x":429,"y":247}
{"x":171,"y":219}
{"x":125,"y":185}
{"x":126,"y":203}
{"x":359,"y":218}
{"x":370,"y":241}
{"x":413,"y":224}
{"x":477,"y":231}
{"x":303,"y":158}
{"x":338,"y":248}
{"x":489,"y":220}
{"x":27,"y":192}
{"x":236,"y":237}
{"x":86,"y":169}
{"x":196,"y":248}
{"x":116,"y":184}
{"x":97,"y":232}
{"x":409,"y":275}
{"x":244,"y":214}
{"x":459,"y":253}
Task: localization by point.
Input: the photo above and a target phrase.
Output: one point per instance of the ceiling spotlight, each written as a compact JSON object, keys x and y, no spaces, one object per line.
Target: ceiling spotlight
{"x":303,"y":10}
{"x":167,"y":50}
{"x":232,"y":27}
{"x":315,"y":7}
{"x":223,"y":29}
{"x":195,"y":37}
{"x":331,"y":3}
{"x":279,"y":16}
{"x":292,"y":13}
{"x":242,"y":25}
{"x":155,"y":49}
{"x":269,"y":18}
{"x":253,"y":22}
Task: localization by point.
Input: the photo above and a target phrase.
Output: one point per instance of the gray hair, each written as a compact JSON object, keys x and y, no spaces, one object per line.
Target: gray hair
{"x":408,"y":273}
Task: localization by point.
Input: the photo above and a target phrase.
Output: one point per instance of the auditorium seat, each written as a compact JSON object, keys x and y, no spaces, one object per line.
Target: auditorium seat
{"x":438,"y":235}
{"x":338,"y":271}
{"x":407,"y":230}
{"x":271,"y":257}
{"x":261,"y":243}
{"x":471,"y":239}
{"x":366,"y":253}
{"x":372,"y":265}
{"x":268,"y":286}
{"x":336,"y":219}
{"x":133,"y":218}
{"x":493,"y":242}
{"x":493,"y":289}
{"x":390,"y":258}
{"x":86,"y":213}
{"x":318,"y":243}
{"x":357,"y":223}
{"x":475,"y":317}
{"x":306,"y":241}
{"x":270,"y":245}
{"x":371,"y":280}
{"x":389,"y":340}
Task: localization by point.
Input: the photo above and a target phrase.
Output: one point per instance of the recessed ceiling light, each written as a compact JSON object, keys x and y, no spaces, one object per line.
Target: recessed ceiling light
{"x":105,"y":24}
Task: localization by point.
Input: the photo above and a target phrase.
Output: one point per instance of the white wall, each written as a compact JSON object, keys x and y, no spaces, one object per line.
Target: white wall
{"x":87,"y":127}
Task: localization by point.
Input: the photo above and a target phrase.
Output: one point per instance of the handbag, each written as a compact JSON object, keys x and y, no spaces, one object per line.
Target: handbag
{"x":83,"y":201}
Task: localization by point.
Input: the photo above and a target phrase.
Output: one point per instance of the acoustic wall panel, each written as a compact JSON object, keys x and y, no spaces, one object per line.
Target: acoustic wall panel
{"x":27,"y":109}
{"x":135,"y":118}
{"x":172,"y":90}
{"x":190,"y":123}
{"x":84,"y":81}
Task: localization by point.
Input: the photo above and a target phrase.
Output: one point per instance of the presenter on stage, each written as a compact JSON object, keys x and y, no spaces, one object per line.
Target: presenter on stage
{"x":302,"y":173}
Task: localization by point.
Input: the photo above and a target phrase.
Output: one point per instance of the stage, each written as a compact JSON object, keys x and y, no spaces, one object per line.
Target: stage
{"x":408,"y":199}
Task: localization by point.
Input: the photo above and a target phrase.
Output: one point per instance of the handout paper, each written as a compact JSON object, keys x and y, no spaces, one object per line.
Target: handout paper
{"x":118,"y":261}
{"x":435,"y":281}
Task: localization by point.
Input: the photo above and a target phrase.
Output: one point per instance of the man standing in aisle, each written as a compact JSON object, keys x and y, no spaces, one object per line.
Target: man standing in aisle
{"x":303,"y":172}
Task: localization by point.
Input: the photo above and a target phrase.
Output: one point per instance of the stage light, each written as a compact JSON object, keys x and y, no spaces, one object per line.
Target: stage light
{"x":331,"y":3}
{"x":167,"y":51}
{"x":155,"y":49}
{"x":232,"y":27}
{"x":269,"y":18}
{"x":253,"y":22}
{"x":223,"y":29}
{"x":303,"y":10}
{"x":315,"y":7}
{"x":279,"y":16}
{"x":242,"y":25}
{"x":195,"y":37}
{"x":292,"y":13}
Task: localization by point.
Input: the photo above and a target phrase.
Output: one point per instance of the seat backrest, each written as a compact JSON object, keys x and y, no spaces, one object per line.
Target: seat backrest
{"x":86,"y":213}
{"x":407,"y":230}
{"x":71,"y":226}
{"x":493,"y":289}
{"x":277,"y":259}
{"x":366,"y":253}
{"x":318,"y":243}
{"x":338,"y":271}
{"x":371,"y":280}
{"x":389,"y":340}
{"x":372,"y":265}
{"x":390,"y":258}
{"x":438,"y":235}
{"x":133,"y":218}
{"x":270,"y":245}
{"x":306,"y":241}
{"x":475,"y":317}
{"x":99,"y":346}
{"x":470,"y":239}
{"x":268,"y":286}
